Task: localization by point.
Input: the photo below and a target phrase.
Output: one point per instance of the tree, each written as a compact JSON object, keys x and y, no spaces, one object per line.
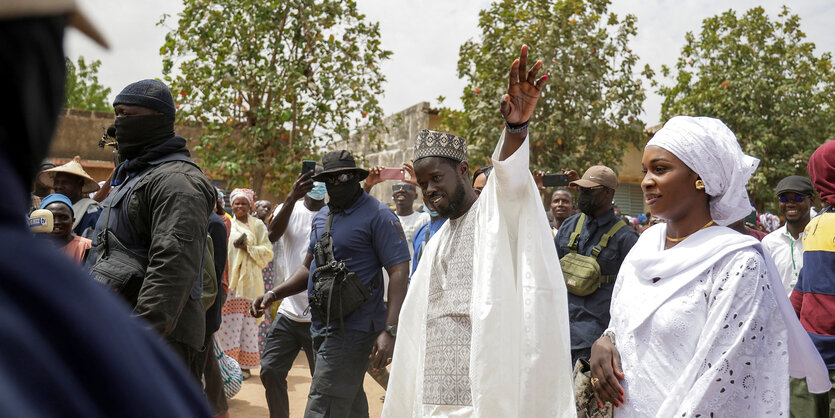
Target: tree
{"x":588,"y":111}
{"x":765,"y":82}
{"x":83,"y":90}
{"x":271,"y":80}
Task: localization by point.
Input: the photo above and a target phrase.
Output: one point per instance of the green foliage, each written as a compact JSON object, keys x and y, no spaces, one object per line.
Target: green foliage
{"x":588,"y":111}
{"x":83,"y":90}
{"x":765,"y":82}
{"x":271,"y":80}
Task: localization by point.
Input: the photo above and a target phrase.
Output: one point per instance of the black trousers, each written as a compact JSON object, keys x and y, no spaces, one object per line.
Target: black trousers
{"x":285,"y":339}
{"x":191,"y":359}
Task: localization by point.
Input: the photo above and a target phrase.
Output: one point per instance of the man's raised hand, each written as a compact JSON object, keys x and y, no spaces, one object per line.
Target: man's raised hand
{"x":522,"y":92}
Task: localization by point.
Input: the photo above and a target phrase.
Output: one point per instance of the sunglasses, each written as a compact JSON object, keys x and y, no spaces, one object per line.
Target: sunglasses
{"x":338,"y":178}
{"x":589,"y":190}
{"x":795,"y":198}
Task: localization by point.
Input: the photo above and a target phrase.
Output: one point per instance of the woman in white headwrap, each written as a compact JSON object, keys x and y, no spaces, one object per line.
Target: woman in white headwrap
{"x":249,"y":250}
{"x":700,"y":321}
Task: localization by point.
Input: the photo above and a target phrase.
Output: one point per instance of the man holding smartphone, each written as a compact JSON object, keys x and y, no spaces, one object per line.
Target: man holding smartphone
{"x":290,"y":332}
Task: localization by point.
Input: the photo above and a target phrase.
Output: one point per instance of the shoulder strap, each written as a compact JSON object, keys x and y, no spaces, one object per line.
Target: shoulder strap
{"x":328,"y":223}
{"x":604,"y":240}
{"x":575,"y":236}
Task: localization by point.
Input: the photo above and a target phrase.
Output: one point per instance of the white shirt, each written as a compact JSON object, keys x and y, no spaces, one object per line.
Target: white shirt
{"x":411,"y":224}
{"x":787,"y":254}
{"x":290,"y":253}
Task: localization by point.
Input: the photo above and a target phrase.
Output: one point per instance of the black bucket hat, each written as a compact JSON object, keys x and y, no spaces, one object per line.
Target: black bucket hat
{"x":339,"y":162}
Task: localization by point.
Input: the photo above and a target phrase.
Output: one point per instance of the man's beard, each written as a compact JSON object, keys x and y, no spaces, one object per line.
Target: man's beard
{"x":455,"y":202}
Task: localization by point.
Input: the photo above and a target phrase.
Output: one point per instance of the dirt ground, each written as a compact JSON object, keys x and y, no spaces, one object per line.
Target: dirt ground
{"x":250,"y":401}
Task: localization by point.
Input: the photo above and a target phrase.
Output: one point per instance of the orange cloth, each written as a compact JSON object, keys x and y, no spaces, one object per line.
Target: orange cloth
{"x":75,"y":249}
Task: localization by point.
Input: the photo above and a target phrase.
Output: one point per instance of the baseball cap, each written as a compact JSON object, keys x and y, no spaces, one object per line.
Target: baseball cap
{"x":599,"y":175}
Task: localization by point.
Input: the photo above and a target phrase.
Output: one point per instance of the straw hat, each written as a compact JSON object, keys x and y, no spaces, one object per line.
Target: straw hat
{"x":47,"y":177}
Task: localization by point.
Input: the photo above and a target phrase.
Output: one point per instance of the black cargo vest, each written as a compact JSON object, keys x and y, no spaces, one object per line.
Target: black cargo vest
{"x":119,"y":254}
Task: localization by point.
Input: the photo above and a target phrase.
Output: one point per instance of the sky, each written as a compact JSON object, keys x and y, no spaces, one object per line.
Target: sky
{"x":425,"y":36}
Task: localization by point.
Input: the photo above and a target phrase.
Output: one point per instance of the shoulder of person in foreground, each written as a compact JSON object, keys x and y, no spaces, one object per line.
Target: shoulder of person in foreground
{"x":81,"y":343}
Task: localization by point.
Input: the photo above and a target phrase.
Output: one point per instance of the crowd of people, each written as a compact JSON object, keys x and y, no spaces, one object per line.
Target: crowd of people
{"x":472,"y":294}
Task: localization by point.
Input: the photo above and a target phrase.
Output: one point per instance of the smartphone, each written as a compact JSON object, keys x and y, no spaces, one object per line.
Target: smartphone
{"x":392,"y":174}
{"x":308,"y":165}
{"x":553,"y":180}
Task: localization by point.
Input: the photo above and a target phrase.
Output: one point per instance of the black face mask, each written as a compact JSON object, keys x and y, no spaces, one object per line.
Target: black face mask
{"x":135,"y":134}
{"x":343,"y":195}
{"x":586,"y":204}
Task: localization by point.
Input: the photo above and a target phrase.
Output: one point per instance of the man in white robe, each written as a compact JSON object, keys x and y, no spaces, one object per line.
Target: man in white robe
{"x":483,"y":330}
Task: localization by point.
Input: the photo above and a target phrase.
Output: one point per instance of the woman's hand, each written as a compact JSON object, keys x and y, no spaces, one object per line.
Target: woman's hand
{"x":605,"y":366}
{"x":240,"y":242}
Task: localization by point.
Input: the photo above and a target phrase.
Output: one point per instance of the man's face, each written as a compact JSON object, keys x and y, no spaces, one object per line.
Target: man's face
{"x":793,"y":210}
{"x":562,"y":204}
{"x":62,"y":219}
{"x":404,"y":197}
{"x":68,"y":185}
{"x":131,"y":110}
{"x":479,"y":183}
{"x":443,"y":183}
{"x":262,"y":209}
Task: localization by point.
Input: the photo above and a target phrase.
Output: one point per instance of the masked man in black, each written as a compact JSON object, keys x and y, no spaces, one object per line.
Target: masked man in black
{"x":588,"y":316}
{"x":155,"y":221}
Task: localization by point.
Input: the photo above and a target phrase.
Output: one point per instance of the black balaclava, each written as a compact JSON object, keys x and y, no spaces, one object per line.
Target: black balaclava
{"x":33,"y":72}
{"x":343,"y":195}
{"x":137,"y":134}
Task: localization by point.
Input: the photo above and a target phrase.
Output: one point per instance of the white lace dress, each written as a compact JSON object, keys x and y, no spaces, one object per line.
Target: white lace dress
{"x":708,"y":341}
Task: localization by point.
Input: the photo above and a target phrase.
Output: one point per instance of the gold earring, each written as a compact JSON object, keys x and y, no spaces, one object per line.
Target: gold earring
{"x":700,"y":185}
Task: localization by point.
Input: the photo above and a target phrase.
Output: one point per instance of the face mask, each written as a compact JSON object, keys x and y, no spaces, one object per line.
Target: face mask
{"x":343,"y":195}
{"x":135,"y":134}
{"x":318,"y":191}
{"x":431,"y":213}
{"x":586,"y":204}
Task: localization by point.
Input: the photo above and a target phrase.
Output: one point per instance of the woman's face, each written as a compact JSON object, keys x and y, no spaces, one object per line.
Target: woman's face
{"x":669,"y":185}
{"x":240,"y":207}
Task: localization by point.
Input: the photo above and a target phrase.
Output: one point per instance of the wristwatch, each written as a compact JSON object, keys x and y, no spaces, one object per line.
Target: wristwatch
{"x":392,"y":330}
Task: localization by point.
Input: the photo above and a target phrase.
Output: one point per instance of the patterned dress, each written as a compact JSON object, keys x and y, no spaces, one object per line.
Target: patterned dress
{"x":448,"y":325}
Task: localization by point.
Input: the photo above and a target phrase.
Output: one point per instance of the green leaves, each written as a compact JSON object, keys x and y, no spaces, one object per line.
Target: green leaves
{"x":271,"y":81}
{"x":83,"y":90}
{"x":765,"y":82}
{"x":589,"y":111}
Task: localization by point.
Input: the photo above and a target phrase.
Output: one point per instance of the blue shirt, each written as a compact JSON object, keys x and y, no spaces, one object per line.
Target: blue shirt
{"x":367,"y":237}
{"x":588,"y":316}
{"x":420,"y":239}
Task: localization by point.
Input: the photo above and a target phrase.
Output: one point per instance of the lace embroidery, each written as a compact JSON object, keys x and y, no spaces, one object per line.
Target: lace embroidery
{"x":446,"y":379}
{"x":715,"y":348}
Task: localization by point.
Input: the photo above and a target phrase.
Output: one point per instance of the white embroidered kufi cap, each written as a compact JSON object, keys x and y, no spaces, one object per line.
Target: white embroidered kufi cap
{"x":710,"y":149}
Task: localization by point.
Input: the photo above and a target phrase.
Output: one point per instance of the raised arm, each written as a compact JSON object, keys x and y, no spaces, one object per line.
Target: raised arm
{"x":518,"y":104}
{"x":278,"y":225}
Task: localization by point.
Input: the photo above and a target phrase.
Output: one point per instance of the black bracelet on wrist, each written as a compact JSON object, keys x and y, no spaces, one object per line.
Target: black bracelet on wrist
{"x":516,"y":128}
